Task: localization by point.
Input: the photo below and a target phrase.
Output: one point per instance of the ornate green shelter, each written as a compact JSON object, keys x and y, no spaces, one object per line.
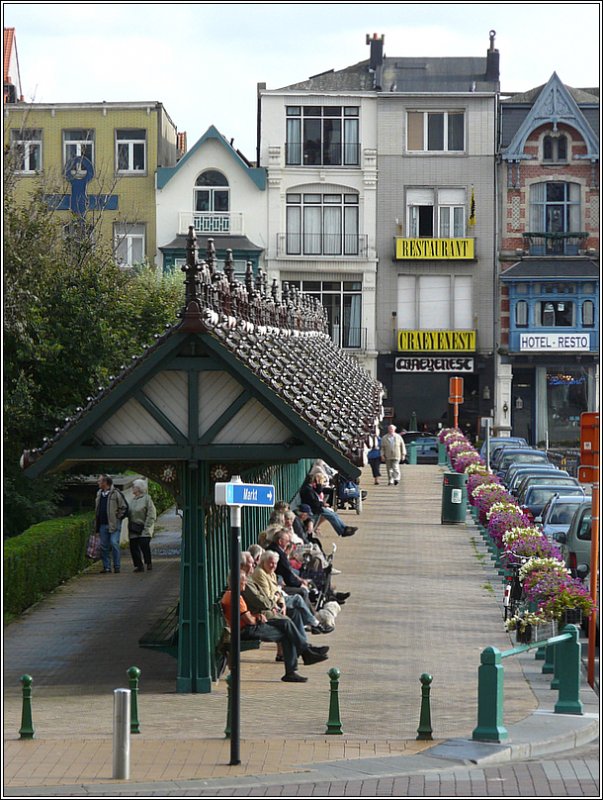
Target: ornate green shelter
{"x":243,"y":380}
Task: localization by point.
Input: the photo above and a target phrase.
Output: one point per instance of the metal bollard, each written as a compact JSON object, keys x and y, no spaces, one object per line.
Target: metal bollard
{"x":424,"y":731}
{"x":334,"y":721}
{"x":27,"y":729}
{"x":567,"y":669}
{"x":134,"y":675}
{"x":490,"y":696}
{"x":229,"y":689}
{"x":121,"y":734}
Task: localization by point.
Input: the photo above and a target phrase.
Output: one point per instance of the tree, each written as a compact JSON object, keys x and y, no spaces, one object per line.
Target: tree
{"x":71,"y":318}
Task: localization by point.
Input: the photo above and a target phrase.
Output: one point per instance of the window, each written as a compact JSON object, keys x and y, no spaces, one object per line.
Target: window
{"x":212,"y":203}
{"x":555,"y":207}
{"x":437,"y":302}
{"x":322,"y":224}
{"x":588,"y":314}
{"x":554,"y":148}
{"x":555,"y":314}
{"x":26,"y":145}
{"x":447,"y":223}
{"x":131,"y":150}
{"x":521,"y":314}
{"x":129,"y":243}
{"x":323,"y":135}
{"x":343,"y":303}
{"x":439,"y":131}
{"x":79,"y":142}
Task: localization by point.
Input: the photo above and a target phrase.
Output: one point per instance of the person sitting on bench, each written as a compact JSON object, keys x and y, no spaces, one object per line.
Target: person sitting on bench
{"x":278,"y":629}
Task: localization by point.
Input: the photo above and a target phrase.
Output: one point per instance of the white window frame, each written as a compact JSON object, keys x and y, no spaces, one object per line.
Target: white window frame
{"x":78,"y":146}
{"x":130,"y":142}
{"x":411,"y":302}
{"x":129,"y":234}
{"x":445,"y":115}
{"x":24,"y":144}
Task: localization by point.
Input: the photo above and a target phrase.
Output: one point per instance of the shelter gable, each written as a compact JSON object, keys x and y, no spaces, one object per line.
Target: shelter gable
{"x":253,"y":424}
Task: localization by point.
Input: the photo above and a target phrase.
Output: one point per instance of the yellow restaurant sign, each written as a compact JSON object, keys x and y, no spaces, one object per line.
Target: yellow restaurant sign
{"x":437,"y":341}
{"x":435,"y":248}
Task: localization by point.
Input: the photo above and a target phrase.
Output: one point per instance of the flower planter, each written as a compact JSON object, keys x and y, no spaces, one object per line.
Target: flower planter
{"x":524,"y":637}
{"x":571,"y":616}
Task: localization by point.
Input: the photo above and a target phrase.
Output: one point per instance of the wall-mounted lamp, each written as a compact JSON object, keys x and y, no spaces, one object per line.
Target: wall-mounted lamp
{"x":486,"y":393}
{"x":505,"y":409}
{"x":518,"y":403}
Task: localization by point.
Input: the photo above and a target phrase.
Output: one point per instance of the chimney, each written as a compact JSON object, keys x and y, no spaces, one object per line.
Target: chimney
{"x":181,"y":145}
{"x":492,"y":61}
{"x":376,"y":57}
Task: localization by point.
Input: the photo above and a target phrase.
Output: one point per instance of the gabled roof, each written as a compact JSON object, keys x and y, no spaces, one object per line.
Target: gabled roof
{"x":12,"y":75}
{"x":274,"y":357}
{"x":256,"y":174}
{"x":553,"y":104}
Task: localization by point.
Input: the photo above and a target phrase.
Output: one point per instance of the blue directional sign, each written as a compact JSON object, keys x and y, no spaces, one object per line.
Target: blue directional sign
{"x":244,"y":494}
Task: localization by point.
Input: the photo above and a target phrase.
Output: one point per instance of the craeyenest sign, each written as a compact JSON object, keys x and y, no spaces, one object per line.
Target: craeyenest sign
{"x":440,"y":364}
{"x":437,"y":341}
{"x":435,"y":248}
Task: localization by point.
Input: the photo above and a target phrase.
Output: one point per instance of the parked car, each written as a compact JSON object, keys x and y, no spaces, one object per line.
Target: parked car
{"x":426,"y":445}
{"x":558,"y":513}
{"x":576,"y":543}
{"x":541,"y":480}
{"x":523,"y":456}
{"x":516,"y":474}
{"x":497,"y":442}
{"x":536,"y":497}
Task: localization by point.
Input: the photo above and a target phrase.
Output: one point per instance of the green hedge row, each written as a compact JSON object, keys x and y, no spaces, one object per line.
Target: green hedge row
{"x":51,"y":552}
{"x":43,"y":557}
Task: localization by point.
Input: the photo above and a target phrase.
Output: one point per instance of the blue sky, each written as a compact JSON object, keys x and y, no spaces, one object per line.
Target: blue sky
{"x":203,"y":60}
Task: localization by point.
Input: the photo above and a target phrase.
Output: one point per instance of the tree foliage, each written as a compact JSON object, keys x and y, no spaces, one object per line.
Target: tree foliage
{"x":71,"y":318}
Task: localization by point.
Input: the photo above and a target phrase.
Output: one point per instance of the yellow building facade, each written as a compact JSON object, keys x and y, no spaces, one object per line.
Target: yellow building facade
{"x":96,"y":162}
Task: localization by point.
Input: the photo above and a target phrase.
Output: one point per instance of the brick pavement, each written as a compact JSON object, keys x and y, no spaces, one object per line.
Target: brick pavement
{"x":424,"y":599}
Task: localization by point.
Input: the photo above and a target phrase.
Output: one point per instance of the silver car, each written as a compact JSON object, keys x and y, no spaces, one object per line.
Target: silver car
{"x":558,"y":513}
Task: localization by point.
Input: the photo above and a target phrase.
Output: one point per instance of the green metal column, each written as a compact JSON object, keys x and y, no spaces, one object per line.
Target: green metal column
{"x":194,"y":668}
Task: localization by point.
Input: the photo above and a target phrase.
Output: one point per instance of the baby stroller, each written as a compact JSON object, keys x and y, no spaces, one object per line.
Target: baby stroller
{"x":319,"y":577}
{"x":348,"y":494}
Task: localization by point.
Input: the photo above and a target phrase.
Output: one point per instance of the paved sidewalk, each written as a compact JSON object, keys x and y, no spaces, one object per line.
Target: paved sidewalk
{"x":425,"y":598}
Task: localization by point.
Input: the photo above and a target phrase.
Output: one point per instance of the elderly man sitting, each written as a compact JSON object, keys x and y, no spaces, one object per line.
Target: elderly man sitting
{"x":263,"y":595}
{"x":278,"y":629}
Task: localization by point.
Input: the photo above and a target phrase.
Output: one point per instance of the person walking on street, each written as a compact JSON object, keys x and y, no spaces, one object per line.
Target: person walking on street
{"x":141,"y":523}
{"x":374,"y":456}
{"x":393,"y":451}
{"x":111,"y":508}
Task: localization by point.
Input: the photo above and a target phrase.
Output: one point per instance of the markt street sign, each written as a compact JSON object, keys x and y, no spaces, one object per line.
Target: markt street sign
{"x":244,"y":494}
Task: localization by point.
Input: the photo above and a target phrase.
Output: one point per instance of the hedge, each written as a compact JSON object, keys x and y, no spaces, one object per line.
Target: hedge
{"x":51,"y":552}
{"x":42,"y":557}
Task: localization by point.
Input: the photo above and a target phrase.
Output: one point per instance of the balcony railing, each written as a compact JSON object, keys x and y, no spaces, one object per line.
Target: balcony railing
{"x":555,"y":244}
{"x":325,"y":245}
{"x":211,"y":222}
{"x":331,"y":155}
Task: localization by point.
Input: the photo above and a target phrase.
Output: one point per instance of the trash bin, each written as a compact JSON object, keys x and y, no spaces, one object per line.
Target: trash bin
{"x":454,"y":497}
{"x":442,"y":455}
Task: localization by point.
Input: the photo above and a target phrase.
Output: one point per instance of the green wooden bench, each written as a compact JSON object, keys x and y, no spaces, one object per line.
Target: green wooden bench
{"x":163,"y":634}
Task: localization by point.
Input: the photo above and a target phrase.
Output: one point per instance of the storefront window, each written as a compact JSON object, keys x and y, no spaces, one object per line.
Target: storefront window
{"x":566,"y":400}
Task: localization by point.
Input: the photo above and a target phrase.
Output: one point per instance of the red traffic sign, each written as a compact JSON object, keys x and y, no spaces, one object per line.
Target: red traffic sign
{"x":455,"y":390}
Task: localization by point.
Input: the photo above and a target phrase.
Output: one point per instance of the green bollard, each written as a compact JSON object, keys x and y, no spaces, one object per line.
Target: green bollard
{"x":27,"y":729}
{"x":134,"y":675}
{"x":412,"y":453}
{"x":229,"y":692}
{"x":424,"y":731}
{"x":567,"y":668}
{"x":490,"y":697}
{"x":334,"y":721}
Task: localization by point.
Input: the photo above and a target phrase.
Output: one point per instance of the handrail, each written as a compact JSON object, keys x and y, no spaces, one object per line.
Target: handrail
{"x":490,"y":700}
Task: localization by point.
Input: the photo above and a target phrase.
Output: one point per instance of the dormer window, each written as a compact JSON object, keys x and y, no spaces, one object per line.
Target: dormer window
{"x":554,"y":148}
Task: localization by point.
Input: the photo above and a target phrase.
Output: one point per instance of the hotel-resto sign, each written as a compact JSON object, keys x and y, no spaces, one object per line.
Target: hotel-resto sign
{"x":541,"y":342}
{"x":437,"y":341}
{"x":448,"y":249}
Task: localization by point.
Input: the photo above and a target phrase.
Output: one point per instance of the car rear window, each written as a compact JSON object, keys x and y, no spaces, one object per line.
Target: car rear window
{"x":585,"y":527}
